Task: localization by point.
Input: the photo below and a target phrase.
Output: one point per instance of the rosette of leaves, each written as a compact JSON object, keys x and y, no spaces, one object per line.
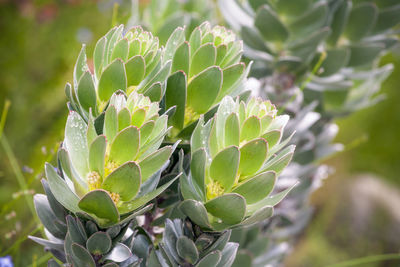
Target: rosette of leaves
{"x":236,"y":158}
{"x":108,"y":176}
{"x":185,"y":244}
{"x":80,"y":242}
{"x":205,"y":68}
{"x":162,"y":17}
{"x":127,"y":61}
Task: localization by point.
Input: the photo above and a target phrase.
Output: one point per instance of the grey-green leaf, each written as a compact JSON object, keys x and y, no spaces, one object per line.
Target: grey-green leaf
{"x":125,"y":181}
{"x":112,"y":79}
{"x":187,"y":250}
{"x":99,"y":243}
{"x":203,"y":89}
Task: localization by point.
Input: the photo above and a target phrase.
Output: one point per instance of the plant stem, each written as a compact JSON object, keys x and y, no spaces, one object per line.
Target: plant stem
{"x":18,"y":174}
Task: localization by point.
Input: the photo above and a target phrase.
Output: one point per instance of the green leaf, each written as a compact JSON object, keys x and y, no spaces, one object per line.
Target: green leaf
{"x":187,"y":250}
{"x":291,"y":8}
{"x":203,"y":89}
{"x":260,"y":215}
{"x":80,"y":184}
{"x":80,"y":65}
{"x":279,"y":162}
{"x":250,"y":129}
{"x":82,"y":256}
{"x":387,"y":18}
{"x":252,"y":38}
{"x":228,"y":255}
{"x":75,"y":231}
{"x":268,"y":201}
{"x":221,"y":53}
{"x":91,"y":133}
{"x":339,"y":21}
{"x":124,"y":119}
{"x":203,"y":58}
{"x":257,"y":188}
{"x":98,"y":56}
{"x":110,"y":123}
{"x":231,"y":75}
{"x":125,"y":145}
{"x":60,"y":189}
{"x":174,"y":41}
{"x":364,"y":54}
{"x":198,"y":169}
{"x":311,"y":21}
{"x":224,"y":167}
{"x":176,"y":96}
{"x":145,"y":131}
{"x":181,"y":58}
{"x":46,"y":215}
{"x":138,"y":202}
{"x":232,"y":130}
{"x":362,"y":19}
{"x":99,"y":243}
{"x":138,"y":117}
{"x":112,"y":79}
{"x":210,"y":259}
{"x":125,"y":181}
{"x":154,"y":162}
{"x":75,"y":142}
{"x":196,"y":211}
{"x":97,"y":154}
{"x":195,"y":41}
{"x":99,"y":203}
{"x":155,"y":92}
{"x":230,"y":208}
{"x":334,"y":61}
{"x":86,"y":92}
{"x":252,"y":156}
{"x":120,"y":50}
{"x":270,"y":26}
{"x":160,"y":77}
{"x":135,"y":70}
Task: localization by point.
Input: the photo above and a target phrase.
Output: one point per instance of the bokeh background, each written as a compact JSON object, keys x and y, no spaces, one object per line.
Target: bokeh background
{"x":357,"y":210}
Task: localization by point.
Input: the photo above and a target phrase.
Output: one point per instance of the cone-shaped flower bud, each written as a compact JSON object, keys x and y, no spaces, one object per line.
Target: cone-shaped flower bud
{"x":112,"y":174}
{"x":236,"y":158}
{"x":205,"y":68}
{"x":128,"y":61}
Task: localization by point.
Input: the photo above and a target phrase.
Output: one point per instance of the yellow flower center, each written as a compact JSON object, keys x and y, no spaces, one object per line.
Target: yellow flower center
{"x":214,"y":189}
{"x":110,"y":167}
{"x":93,"y":180}
{"x":190,"y":116}
{"x":115,"y":197}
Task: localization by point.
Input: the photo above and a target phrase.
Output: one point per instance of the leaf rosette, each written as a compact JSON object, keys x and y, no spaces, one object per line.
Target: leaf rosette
{"x":236,"y":158}
{"x":112,"y":174}
{"x":205,"y":68}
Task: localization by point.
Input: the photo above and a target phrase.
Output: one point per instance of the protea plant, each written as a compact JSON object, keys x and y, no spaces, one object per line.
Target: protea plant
{"x":205,"y":68}
{"x":234,"y":166}
{"x":127,"y":61}
{"x":114,"y":173}
{"x":103,"y":200}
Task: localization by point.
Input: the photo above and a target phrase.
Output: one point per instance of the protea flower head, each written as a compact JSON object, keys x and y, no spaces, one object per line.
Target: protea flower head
{"x":128,"y":62}
{"x":234,"y":165}
{"x":115,"y":172}
{"x":205,"y":68}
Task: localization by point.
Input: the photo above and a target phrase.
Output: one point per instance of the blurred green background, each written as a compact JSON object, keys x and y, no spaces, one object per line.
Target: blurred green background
{"x":356,"y":209}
